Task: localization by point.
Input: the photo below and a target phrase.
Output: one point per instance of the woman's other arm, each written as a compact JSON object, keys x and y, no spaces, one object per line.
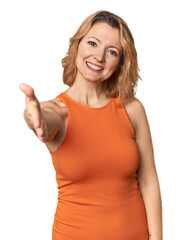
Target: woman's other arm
{"x":147,"y":174}
{"x":44,"y":118}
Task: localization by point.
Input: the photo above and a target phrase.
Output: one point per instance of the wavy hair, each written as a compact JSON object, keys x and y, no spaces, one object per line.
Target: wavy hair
{"x":124,"y":80}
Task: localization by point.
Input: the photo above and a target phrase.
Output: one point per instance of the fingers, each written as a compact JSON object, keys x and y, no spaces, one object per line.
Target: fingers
{"x":33,"y":113}
{"x":42,"y":132}
{"x":37,"y":123}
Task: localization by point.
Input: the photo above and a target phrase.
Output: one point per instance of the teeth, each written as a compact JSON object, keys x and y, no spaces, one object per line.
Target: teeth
{"x":93,"y":66}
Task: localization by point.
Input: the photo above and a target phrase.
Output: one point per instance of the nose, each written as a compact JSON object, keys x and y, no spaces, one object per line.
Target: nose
{"x":100,"y":55}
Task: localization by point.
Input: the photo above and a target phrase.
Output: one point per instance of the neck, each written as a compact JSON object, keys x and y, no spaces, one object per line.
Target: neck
{"x":87,"y":92}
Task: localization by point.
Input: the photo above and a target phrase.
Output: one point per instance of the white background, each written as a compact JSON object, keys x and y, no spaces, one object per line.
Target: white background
{"x":34,"y":38}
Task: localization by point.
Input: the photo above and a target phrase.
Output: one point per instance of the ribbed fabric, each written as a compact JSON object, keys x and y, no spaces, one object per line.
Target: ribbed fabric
{"x":96,"y":164}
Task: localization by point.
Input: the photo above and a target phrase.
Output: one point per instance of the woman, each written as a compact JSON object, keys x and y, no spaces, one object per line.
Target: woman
{"x":99,"y":139}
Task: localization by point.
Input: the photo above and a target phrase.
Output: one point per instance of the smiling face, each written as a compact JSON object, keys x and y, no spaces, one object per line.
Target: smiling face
{"x":98,"y":53}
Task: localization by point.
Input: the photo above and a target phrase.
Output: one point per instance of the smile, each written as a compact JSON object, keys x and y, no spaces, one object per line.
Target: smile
{"x":94,"y":67}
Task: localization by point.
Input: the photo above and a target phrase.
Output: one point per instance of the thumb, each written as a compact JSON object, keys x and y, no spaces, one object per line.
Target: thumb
{"x":28,"y":91}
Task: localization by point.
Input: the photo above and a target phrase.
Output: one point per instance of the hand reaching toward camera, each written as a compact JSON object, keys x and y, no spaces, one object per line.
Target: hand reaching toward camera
{"x":33,"y":114}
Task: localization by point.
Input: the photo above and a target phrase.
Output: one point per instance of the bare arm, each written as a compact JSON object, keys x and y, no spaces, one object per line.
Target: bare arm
{"x":147,"y":175}
{"x":44,"y":118}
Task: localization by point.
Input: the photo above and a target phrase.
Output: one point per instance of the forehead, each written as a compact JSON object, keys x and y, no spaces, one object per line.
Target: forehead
{"x":105,"y":33}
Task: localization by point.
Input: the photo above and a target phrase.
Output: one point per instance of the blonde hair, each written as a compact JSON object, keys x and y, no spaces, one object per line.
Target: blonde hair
{"x":123,"y":81}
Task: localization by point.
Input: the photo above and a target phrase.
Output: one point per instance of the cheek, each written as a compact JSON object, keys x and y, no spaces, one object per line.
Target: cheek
{"x":113,"y":65}
{"x":83,"y":52}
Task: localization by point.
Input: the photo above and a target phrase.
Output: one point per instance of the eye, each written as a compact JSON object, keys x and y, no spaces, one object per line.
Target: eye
{"x":92,"y":43}
{"x":113,"y":53}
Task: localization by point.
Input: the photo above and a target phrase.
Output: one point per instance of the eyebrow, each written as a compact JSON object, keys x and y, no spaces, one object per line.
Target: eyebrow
{"x":109,"y":46}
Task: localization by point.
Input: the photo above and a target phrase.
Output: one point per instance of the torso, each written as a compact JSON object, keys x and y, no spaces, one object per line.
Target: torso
{"x":59,"y":138}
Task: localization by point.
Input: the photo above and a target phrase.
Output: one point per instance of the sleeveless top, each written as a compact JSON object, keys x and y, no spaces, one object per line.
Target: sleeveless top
{"x":98,"y":193}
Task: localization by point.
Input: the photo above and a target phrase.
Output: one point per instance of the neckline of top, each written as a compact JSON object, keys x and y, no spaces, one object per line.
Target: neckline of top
{"x":82,"y":105}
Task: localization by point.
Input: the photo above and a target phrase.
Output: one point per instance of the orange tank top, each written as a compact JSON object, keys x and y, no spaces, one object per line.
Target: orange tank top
{"x":96,"y":164}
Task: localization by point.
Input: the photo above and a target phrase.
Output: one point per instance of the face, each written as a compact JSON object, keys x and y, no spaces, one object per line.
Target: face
{"x":98,"y":53}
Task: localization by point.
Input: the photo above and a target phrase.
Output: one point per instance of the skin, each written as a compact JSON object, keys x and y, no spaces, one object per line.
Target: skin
{"x":49,"y":119}
{"x":100,"y":46}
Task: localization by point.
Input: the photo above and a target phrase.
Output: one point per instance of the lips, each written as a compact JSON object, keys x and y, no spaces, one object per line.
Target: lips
{"x":94,"y":66}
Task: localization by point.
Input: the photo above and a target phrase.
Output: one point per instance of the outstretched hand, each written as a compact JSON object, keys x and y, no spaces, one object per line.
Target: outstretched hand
{"x":33,"y":115}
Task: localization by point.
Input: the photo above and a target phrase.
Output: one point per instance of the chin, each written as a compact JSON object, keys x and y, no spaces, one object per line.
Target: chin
{"x":92,"y":79}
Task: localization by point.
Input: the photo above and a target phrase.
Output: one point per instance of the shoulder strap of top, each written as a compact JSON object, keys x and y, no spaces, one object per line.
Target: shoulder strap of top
{"x":64,"y":99}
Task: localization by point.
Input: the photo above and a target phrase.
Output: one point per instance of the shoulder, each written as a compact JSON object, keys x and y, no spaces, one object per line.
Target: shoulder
{"x":146,"y":171}
{"x":58,"y":102}
{"x":55,"y":105}
{"x":136,"y":112}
